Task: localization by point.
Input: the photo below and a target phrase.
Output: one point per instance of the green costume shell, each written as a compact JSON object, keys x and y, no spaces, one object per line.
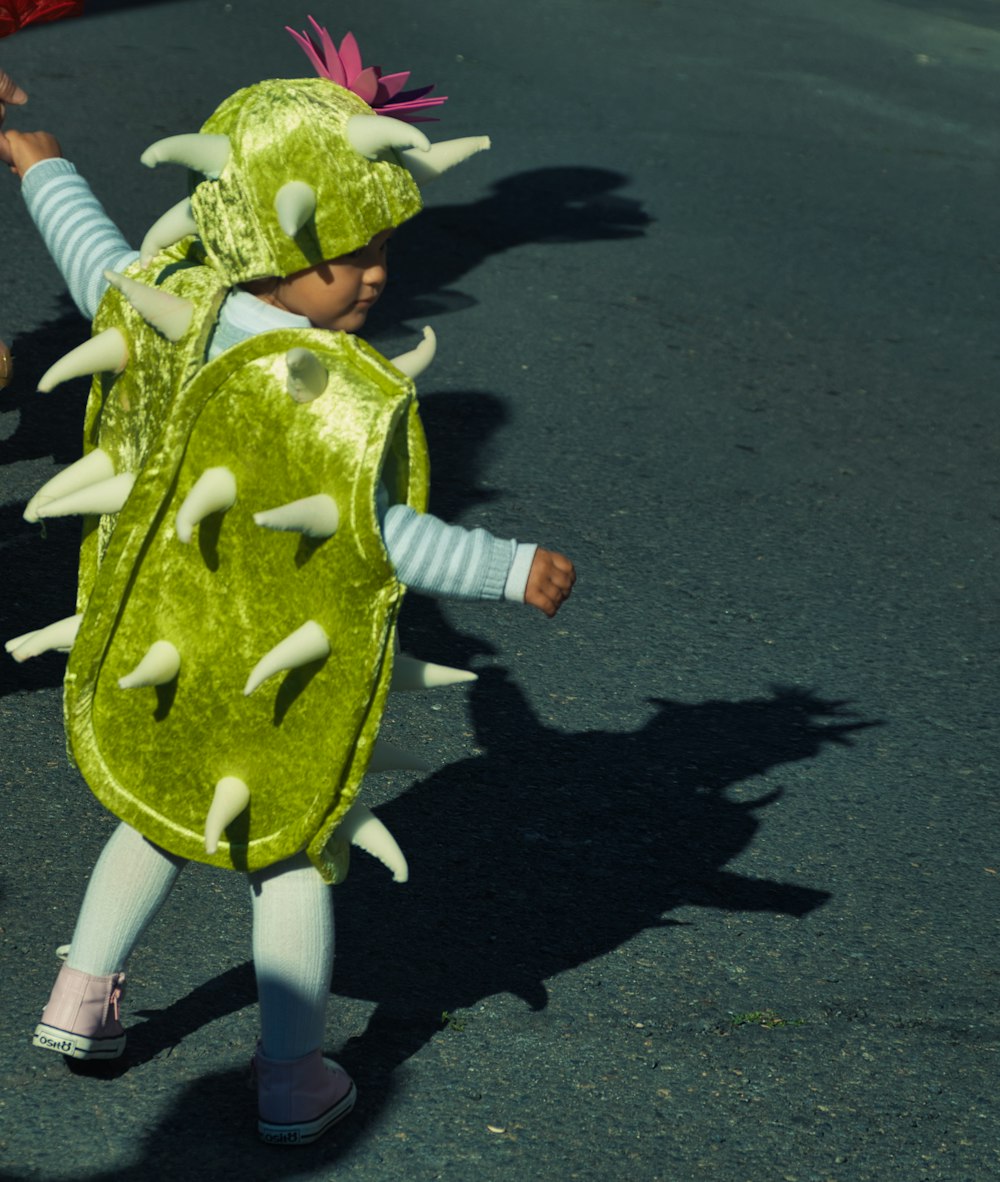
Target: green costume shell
{"x":235,"y":630}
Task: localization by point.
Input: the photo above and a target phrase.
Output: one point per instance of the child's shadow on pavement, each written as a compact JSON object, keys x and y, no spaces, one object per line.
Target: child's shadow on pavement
{"x":551,"y":849}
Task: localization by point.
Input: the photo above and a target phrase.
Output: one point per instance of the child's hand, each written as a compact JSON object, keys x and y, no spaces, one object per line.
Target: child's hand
{"x":21,"y":149}
{"x":550,"y":581}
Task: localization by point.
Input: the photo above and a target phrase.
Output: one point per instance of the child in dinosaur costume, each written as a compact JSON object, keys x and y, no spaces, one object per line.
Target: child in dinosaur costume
{"x":253,"y":489}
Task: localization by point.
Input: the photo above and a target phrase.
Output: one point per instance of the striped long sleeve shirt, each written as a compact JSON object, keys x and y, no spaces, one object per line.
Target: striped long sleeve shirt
{"x":428,"y":555}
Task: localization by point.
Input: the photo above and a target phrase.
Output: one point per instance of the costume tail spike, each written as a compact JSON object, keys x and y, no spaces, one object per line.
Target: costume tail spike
{"x":414,"y":362}
{"x":410,"y":674}
{"x":231,"y":797}
{"x":375,"y":136}
{"x":295,"y":204}
{"x":107,"y":352}
{"x":386,"y":757}
{"x":58,"y":637}
{"x":207,"y":154}
{"x":313,"y":517}
{"x":177,"y":223}
{"x":104,"y":496}
{"x":428,"y":166}
{"x":307,"y":375}
{"x":362,"y":828}
{"x":213,"y":492}
{"x":168,"y":314}
{"x":303,"y":646}
{"x":159,"y":666}
{"x":94,"y":467}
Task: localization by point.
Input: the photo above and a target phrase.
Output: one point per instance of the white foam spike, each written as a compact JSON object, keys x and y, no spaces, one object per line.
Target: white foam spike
{"x":410,"y":674}
{"x":202,"y":152}
{"x":374,"y":136}
{"x":307,"y":375}
{"x":177,"y":223}
{"x":230,"y":799}
{"x":159,"y":666}
{"x":94,"y":467}
{"x":428,"y":166}
{"x":305,"y":644}
{"x":169,"y":314}
{"x":362,"y":828}
{"x":295,"y":204}
{"x":105,"y":353}
{"x":104,"y":496}
{"x":313,"y":517}
{"x":55,"y":637}
{"x":387,"y":757}
{"x":213,"y":492}
{"x":414,"y":362}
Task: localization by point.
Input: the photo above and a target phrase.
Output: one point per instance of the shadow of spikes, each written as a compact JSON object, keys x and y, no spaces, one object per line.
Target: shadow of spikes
{"x":547,"y":206}
{"x":39,"y":580}
{"x":552,"y":849}
{"x":39,"y":561}
{"x":49,"y":424}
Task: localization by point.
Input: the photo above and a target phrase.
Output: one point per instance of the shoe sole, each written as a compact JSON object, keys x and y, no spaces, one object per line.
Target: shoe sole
{"x":304,"y":1132}
{"x":77,"y":1046}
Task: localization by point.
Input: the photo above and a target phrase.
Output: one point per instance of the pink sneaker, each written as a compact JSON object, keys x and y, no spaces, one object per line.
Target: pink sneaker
{"x":299,"y":1099}
{"x":81,"y":1019}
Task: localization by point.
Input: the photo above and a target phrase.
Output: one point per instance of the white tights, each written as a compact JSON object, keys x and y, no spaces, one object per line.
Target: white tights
{"x":293,"y":933}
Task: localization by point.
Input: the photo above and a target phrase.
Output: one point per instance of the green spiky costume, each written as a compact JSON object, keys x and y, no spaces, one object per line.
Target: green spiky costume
{"x":227,"y":590}
{"x":233,"y":643}
{"x":234,"y":638}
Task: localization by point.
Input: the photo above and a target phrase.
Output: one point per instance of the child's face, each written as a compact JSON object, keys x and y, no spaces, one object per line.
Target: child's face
{"x":337,"y":294}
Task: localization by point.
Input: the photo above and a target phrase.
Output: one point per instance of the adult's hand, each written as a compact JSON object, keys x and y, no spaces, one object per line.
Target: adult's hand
{"x":10,"y":92}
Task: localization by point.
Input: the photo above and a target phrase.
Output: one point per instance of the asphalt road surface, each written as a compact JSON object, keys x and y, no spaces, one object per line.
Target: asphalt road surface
{"x":704,"y":881}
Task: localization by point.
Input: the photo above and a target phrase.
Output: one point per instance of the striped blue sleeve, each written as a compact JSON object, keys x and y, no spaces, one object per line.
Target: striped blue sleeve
{"x":80,"y":236}
{"x":449,"y":561}
{"x":428,"y":555}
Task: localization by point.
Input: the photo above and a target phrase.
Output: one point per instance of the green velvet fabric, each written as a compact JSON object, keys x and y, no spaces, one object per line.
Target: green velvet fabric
{"x":125,"y":413}
{"x":303,"y":739}
{"x":293,"y":130}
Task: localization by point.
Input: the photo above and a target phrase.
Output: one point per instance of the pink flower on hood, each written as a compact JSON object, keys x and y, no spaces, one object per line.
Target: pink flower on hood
{"x":382,"y":92}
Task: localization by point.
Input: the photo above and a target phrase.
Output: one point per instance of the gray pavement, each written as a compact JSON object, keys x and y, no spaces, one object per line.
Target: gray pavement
{"x":704,"y":883}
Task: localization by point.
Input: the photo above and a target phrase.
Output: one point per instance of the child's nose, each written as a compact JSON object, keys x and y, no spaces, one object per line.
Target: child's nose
{"x":375,"y":271}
